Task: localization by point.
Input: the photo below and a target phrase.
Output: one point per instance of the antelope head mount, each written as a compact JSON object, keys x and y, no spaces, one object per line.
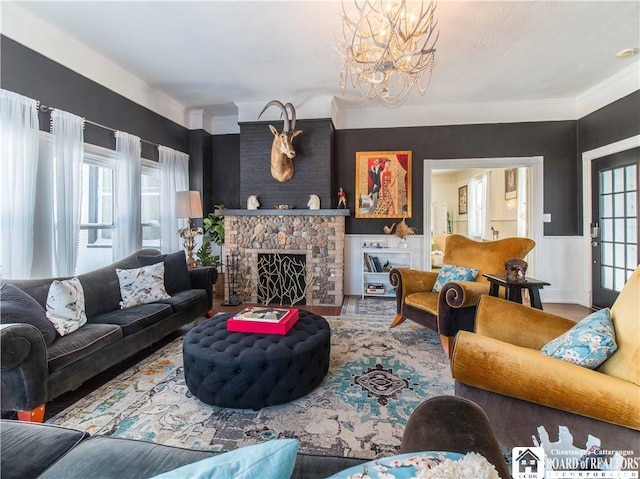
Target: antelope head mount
{"x":282,"y":152}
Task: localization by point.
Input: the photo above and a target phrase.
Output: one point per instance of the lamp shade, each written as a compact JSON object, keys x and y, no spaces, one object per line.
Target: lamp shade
{"x":188,"y":204}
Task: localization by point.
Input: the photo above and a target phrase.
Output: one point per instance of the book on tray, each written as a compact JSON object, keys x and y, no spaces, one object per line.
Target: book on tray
{"x":263,"y":319}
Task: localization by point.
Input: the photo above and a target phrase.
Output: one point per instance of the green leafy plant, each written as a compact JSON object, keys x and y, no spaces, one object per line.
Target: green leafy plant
{"x":213,"y":233}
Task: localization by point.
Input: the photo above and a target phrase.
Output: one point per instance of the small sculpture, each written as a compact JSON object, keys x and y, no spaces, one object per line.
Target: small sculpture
{"x":515,"y":268}
{"x":314,"y":202}
{"x":403,"y":230}
{"x":253,"y":203}
{"x":342,"y":198}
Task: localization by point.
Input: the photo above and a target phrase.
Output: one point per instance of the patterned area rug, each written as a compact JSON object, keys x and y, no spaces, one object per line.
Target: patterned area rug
{"x":377,"y":377}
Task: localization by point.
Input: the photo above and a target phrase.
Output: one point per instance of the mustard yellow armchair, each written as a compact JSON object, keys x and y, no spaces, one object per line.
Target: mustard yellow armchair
{"x":453,"y":308}
{"x":501,"y":368}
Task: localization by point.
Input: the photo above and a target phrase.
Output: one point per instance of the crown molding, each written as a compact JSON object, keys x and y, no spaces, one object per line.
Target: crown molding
{"x":613,"y":88}
{"x":22,"y":26}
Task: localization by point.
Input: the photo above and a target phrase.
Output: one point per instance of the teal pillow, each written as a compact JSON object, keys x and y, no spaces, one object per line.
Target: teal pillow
{"x":589,"y":343}
{"x":451,"y":272}
{"x":269,"y":460}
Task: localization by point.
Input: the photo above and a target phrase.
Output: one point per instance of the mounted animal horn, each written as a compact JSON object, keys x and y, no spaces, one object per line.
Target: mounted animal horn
{"x":282,"y":152}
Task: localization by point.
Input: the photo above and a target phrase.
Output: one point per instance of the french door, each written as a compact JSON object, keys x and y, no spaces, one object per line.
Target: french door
{"x":614,"y":227}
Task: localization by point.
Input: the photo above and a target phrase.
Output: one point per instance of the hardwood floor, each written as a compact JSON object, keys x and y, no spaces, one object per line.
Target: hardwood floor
{"x":572,"y":311}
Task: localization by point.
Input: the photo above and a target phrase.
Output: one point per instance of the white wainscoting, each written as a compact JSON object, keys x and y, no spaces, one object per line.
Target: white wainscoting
{"x":559,"y":260}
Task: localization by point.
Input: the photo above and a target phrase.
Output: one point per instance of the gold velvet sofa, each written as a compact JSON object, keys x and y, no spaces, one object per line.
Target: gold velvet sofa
{"x":453,"y":308}
{"x":501,"y":368}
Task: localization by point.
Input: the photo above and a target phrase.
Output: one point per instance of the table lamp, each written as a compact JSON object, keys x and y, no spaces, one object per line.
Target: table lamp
{"x":188,"y":205}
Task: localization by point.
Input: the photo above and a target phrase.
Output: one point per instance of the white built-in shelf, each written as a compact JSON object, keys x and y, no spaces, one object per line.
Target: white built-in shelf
{"x":376,"y":264}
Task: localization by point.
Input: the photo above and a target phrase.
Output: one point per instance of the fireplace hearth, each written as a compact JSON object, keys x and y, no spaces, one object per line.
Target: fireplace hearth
{"x":315,"y":235}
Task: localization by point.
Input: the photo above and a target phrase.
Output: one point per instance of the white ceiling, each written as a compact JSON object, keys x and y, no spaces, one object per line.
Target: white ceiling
{"x":219,"y":55}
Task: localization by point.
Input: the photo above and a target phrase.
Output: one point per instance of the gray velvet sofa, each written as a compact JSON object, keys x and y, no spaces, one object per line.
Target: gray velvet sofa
{"x":31,"y":450}
{"x":36,"y":368}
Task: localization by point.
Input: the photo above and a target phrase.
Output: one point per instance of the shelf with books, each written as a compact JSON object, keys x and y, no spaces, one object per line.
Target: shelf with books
{"x":376,"y":264}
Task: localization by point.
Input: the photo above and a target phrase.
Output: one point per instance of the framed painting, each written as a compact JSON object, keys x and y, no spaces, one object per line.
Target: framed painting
{"x":510,"y":183}
{"x":383,"y":184}
{"x":462,"y":200}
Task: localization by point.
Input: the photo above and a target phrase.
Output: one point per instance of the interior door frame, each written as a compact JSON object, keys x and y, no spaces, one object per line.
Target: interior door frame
{"x":536,"y":195}
{"x":587,"y":158}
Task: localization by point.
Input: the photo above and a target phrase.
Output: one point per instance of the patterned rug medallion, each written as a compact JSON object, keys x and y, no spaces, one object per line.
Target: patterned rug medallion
{"x":377,"y":377}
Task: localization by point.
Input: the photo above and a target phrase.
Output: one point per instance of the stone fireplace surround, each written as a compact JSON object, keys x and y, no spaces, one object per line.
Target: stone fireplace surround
{"x":319,"y":234}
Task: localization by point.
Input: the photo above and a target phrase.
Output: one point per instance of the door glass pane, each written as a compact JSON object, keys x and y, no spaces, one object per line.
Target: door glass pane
{"x":631,"y":177}
{"x":607,"y":230}
{"x":632,"y":230}
{"x":632,"y":256}
{"x":619,"y":255}
{"x":605,"y":182}
{"x":618,"y":180}
{"x":620,"y":279}
{"x":618,"y":202}
{"x":607,"y":277}
{"x":632,"y":202}
{"x":618,"y":230}
{"x":606,"y":208}
{"x":607,"y":254}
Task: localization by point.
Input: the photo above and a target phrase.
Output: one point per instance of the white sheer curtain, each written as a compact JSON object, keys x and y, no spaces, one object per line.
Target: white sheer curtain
{"x":18,"y":166}
{"x":127,"y":214}
{"x":68,"y":151}
{"x":174,"y":176}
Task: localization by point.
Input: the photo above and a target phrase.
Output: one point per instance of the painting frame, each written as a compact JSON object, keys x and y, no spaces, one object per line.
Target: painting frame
{"x":383,"y":184}
{"x":462,"y":200}
{"x":510,"y":183}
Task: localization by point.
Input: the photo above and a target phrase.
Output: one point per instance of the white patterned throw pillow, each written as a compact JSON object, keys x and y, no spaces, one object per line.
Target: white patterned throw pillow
{"x":65,"y":305}
{"x":142,"y":285}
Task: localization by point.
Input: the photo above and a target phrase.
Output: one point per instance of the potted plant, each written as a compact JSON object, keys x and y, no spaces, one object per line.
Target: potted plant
{"x":213,"y":233}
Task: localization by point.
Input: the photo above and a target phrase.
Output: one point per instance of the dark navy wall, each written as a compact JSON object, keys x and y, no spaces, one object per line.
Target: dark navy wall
{"x":312,"y":165}
{"x":31,"y":74}
{"x":555,"y":141}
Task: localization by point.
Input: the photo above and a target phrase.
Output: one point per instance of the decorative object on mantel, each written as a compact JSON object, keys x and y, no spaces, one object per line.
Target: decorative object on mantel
{"x":188,"y":205}
{"x":387,"y":49}
{"x":284,"y":207}
{"x":314,"y":202}
{"x":342,"y":198}
{"x":402,"y":231}
{"x":515,"y":268}
{"x":282,"y":152}
{"x":253,"y":203}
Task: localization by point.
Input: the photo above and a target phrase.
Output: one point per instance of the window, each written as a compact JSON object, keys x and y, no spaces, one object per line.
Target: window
{"x":97,"y":209}
{"x":150,"y":204}
{"x":478,"y":206}
{"x":96,"y":216}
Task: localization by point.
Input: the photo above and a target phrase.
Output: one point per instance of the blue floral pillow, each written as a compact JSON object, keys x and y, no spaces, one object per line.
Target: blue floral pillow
{"x":589,"y":343}
{"x":450,"y":272}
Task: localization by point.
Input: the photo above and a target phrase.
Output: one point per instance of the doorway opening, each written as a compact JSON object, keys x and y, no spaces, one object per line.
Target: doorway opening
{"x":522,"y":199}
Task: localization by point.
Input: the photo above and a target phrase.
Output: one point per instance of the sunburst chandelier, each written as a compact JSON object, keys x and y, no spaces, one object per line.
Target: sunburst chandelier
{"x":389,"y":49}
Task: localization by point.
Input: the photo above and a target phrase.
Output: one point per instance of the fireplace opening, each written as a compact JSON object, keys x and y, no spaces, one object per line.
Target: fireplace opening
{"x":282,"y":278}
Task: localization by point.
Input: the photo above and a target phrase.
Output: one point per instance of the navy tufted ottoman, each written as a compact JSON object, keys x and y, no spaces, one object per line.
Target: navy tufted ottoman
{"x":251,"y":371}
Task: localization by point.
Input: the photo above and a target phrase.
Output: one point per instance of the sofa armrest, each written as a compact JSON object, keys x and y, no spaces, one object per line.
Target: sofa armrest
{"x":23,"y":362}
{"x":463,"y":294}
{"x":527,"y":374}
{"x":204,"y":277}
{"x":517,"y":324}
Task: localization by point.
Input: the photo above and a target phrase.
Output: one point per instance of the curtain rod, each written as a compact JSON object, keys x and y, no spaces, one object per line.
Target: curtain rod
{"x":45,"y":108}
